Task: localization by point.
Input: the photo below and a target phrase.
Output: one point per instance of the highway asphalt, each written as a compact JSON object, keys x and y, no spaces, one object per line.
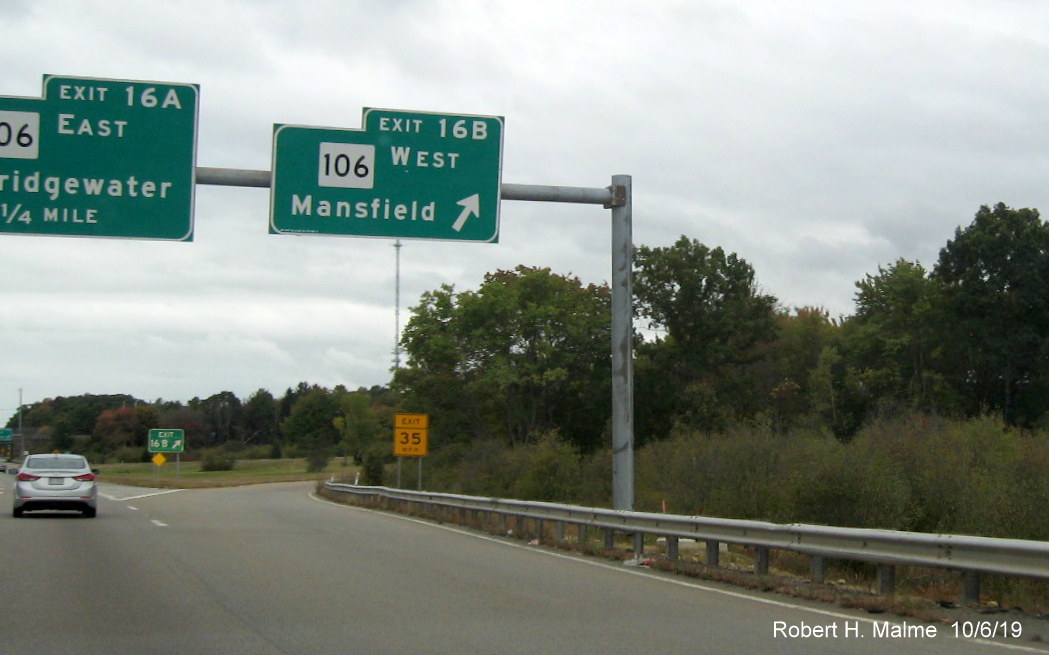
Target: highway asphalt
{"x":272,"y":569}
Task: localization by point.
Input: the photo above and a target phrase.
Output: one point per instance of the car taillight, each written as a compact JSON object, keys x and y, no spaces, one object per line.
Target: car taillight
{"x":27,"y":477}
{"x":87,"y":477}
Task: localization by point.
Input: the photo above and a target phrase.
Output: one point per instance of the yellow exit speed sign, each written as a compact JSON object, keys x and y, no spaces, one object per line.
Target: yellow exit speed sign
{"x":411,"y":435}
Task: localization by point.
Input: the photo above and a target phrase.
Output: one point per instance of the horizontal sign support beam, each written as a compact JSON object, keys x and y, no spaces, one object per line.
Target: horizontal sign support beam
{"x":233,"y":177}
{"x":534,"y":192}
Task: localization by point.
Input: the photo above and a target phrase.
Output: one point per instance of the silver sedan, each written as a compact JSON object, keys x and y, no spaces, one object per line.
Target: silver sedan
{"x":56,"y":482}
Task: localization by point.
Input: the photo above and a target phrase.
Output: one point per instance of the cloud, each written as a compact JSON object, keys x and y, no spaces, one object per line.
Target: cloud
{"x":816,"y":139}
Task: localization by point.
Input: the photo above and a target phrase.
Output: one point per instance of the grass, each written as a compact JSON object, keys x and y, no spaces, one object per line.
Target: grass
{"x":189,"y":476}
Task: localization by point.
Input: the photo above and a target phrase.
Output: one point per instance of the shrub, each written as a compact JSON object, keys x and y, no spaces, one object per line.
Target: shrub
{"x":317,"y":459}
{"x":130,"y":454}
{"x":547,"y":470}
{"x":372,"y":470}
{"x":215,"y":460}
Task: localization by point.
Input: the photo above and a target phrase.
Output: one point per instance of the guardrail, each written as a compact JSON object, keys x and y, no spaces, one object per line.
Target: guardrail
{"x":971,"y":556}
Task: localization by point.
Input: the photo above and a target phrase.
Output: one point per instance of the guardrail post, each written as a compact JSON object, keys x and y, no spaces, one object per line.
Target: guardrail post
{"x":713,"y":553}
{"x":970,"y":588}
{"x":761,"y":564}
{"x":610,"y":538}
{"x":818,"y":569}
{"x":581,"y":533}
{"x":886,"y":579}
{"x":672,"y":549}
{"x":639,"y":543}
{"x":559,"y":531}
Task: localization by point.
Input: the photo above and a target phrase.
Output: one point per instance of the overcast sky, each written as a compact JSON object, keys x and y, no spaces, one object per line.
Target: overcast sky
{"x":817,"y":139}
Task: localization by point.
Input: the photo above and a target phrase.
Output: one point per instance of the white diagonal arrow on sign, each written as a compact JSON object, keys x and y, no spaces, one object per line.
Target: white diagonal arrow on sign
{"x":471,"y":206}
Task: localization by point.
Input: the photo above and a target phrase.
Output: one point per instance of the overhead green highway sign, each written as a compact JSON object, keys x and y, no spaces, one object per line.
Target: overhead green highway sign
{"x":99,"y":158}
{"x":409,"y":175}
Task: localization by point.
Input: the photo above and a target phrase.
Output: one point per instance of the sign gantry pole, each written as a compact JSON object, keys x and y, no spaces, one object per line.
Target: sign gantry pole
{"x":619,"y":198}
{"x":622,"y":344}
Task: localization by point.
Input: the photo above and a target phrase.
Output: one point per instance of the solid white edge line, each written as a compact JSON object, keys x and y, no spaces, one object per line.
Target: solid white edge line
{"x":659,"y":578}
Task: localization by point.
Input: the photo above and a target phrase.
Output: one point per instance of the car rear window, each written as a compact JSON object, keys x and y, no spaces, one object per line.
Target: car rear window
{"x":60,"y":462}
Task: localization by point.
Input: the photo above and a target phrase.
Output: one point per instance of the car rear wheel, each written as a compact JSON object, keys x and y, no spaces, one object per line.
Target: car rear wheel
{"x":18,"y":512}
{"x":90,"y":512}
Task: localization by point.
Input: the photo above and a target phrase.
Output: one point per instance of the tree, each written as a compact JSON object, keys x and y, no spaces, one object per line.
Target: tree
{"x":187,"y":419}
{"x":892,"y":340}
{"x":124,"y":427}
{"x":259,"y":418}
{"x":784,"y":371}
{"x":714,"y":316}
{"x":362,"y":433}
{"x":995,"y":274}
{"x":77,"y":414}
{"x":221,"y":413}
{"x":311,"y":426}
{"x":525,"y":354}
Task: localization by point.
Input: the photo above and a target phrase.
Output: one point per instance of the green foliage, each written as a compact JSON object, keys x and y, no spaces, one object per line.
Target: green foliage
{"x":312,"y":420}
{"x":524,"y":354}
{"x":79,"y":413}
{"x":359,"y":427}
{"x":893,"y":339}
{"x":716,"y":321}
{"x":217,"y":460}
{"x":260,"y":420}
{"x":317,"y":457}
{"x":221,"y":418}
{"x":130,"y":454}
{"x":912,"y":472}
{"x":995,"y":274}
{"x":706,"y":300}
{"x":372,"y":471}
{"x":547,"y":471}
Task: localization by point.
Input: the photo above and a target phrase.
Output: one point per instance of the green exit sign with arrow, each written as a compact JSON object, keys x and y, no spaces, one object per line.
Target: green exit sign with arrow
{"x":409,"y":175}
{"x":167,"y":441}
